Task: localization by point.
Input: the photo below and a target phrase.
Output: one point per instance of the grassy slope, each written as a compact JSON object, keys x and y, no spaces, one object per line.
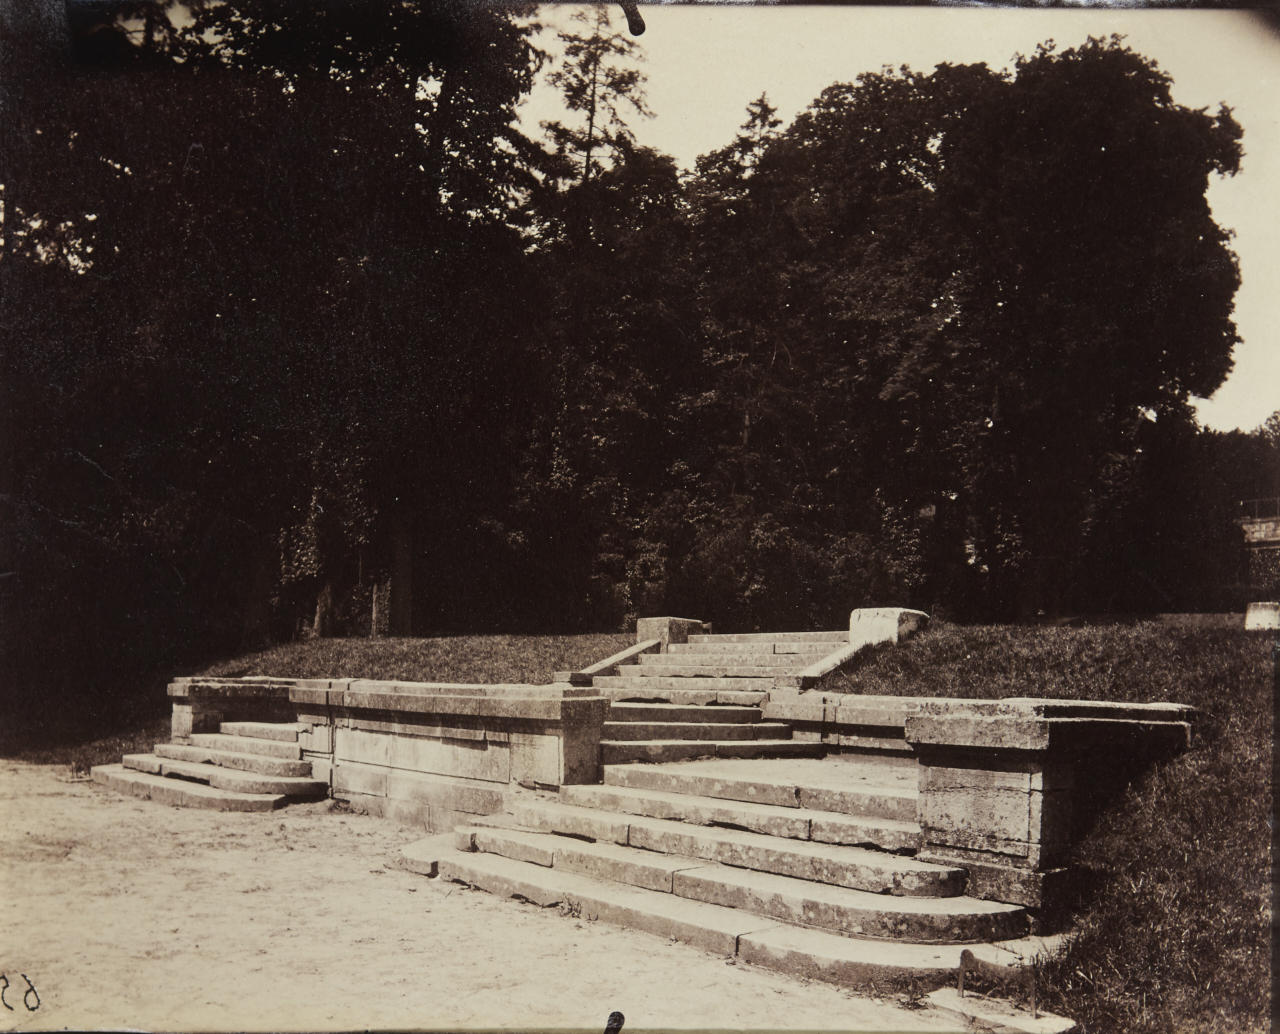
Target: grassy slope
{"x":481,"y":658}
{"x":490,"y":658}
{"x":1174,"y":934}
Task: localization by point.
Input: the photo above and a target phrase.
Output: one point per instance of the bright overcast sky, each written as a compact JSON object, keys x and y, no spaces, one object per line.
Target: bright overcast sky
{"x":705,"y":63}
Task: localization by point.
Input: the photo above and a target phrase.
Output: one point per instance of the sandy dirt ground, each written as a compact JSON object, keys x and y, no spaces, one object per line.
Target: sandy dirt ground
{"x":126,"y":913}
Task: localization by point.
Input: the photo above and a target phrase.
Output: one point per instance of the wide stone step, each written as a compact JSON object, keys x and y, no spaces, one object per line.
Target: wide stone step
{"x":181,"y":793}
{"x":695,"y":731}
{"x":827,"y":827}
{"x":706,"y":670}
{"x":247,"y":745}
{"x":623,"y":752}
{"x":226,"y":778}
{"x":633,"y":712}
{"x":783,"y":789}
{"x":693,"y":691}
{"x":232,"y":759}
{"x":855,"y":867}
{"x":835,"y":636}
{"x":797,"y":951}
{"x":764,"y":648}
{"x":766,"y":663}
{"x":285,"y":731}
{"x":841,"y":910}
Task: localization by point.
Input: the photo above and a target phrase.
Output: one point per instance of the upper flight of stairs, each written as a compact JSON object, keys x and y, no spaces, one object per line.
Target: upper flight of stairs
{"x":702,"y":698}
{"x":774,"y":863}
{"x":248,"y":766}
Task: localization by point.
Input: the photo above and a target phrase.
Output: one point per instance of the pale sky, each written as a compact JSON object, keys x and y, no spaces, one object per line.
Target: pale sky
{"x":706,"y":63}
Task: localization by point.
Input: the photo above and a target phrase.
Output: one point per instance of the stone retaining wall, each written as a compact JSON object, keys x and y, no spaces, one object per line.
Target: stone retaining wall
{"x":418,"y":752}
{"x":1005,"y":786}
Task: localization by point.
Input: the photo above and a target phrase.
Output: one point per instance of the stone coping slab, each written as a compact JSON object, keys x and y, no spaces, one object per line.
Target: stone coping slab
{"x":326,"y":690}
{"x":1050,"y":707}
{"x":609,"y":665}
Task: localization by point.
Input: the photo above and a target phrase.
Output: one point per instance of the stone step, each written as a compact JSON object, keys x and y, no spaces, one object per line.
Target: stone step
{"x":841,"y":910}
{"x":836,"y":636}
{"x":623,"y":752}
{"x":763,"y":648}
{"x":631,"y":712}
{"x":698,"y":692}
{"x":876,"y":802}
{"x":226,"y":778}
{"x":827,"y":827}
{"x":766,"y":663}
{"x":816,"y":954}
{"x":979,"y":1012}
{"x":246,"y":745}
{"x":181,"y":793}
{"x":232,"y":759}
{"x":285,"y":731}
{"x":762,"y":673}
{"x":855,"y":867}
{"x":695,"y":731}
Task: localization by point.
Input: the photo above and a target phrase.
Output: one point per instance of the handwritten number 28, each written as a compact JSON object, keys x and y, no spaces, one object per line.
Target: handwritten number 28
{"x":28,"y":996}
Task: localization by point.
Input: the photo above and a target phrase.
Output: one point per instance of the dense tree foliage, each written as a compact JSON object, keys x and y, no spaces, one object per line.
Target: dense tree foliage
{"x":287,"y":286}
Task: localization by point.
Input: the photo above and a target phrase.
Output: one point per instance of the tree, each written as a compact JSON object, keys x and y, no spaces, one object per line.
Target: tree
{"x":971,"y":282}
{"x":237,"y":305}
{"x":598,"y":83}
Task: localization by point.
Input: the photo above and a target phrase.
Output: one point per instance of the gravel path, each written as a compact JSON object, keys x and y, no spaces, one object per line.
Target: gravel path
{"x":127,"y":913}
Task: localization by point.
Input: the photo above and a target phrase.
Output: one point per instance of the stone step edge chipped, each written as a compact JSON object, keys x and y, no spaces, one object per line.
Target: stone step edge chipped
{"x":231,"y":759}
{"x":226,"y":778}
{"x":855,"y":867}
{"x":181,"y":793}
{"x":880,"y":802}
{"x":794,"y":951}
{"x":983,"y":1013}
{"x":826,"y":827}
{"x":286,"y":732}
{"x":842,"y":910}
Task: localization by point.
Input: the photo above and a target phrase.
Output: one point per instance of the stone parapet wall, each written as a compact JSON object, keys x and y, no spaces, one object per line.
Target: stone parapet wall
{"x":419,"y":752}
{"x":1007,"y":786}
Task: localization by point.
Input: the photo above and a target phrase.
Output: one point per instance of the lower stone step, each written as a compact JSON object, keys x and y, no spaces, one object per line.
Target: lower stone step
{"x":633,"y":730}
{"x":621,"y":752}
{"x":227,"y":778}
{"x":855,"y":867}
{"x":232,"y":759}
{"x":981,"y":1013}
{"x":284,"y":731}
{"x":689,"y":692}
{"x":620,"y":711}
{"x":827,"y":827}
{"x":818,"y":786}
{"x":247,"y":745}
{"x":849,"y":961}
{"x":181,"y":793}
{"x":837,"y":909}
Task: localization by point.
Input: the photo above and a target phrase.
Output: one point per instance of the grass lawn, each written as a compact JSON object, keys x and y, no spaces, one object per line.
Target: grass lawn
{"x":1175,"y":932}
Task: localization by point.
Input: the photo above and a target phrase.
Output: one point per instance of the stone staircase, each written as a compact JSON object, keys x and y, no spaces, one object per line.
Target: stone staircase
{"x":702,"y":698}
{"x":248,"y":766}
{"x":803,"y":866}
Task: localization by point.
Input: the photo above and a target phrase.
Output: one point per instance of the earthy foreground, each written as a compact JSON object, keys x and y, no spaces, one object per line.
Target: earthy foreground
{"x":124,"y":912}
